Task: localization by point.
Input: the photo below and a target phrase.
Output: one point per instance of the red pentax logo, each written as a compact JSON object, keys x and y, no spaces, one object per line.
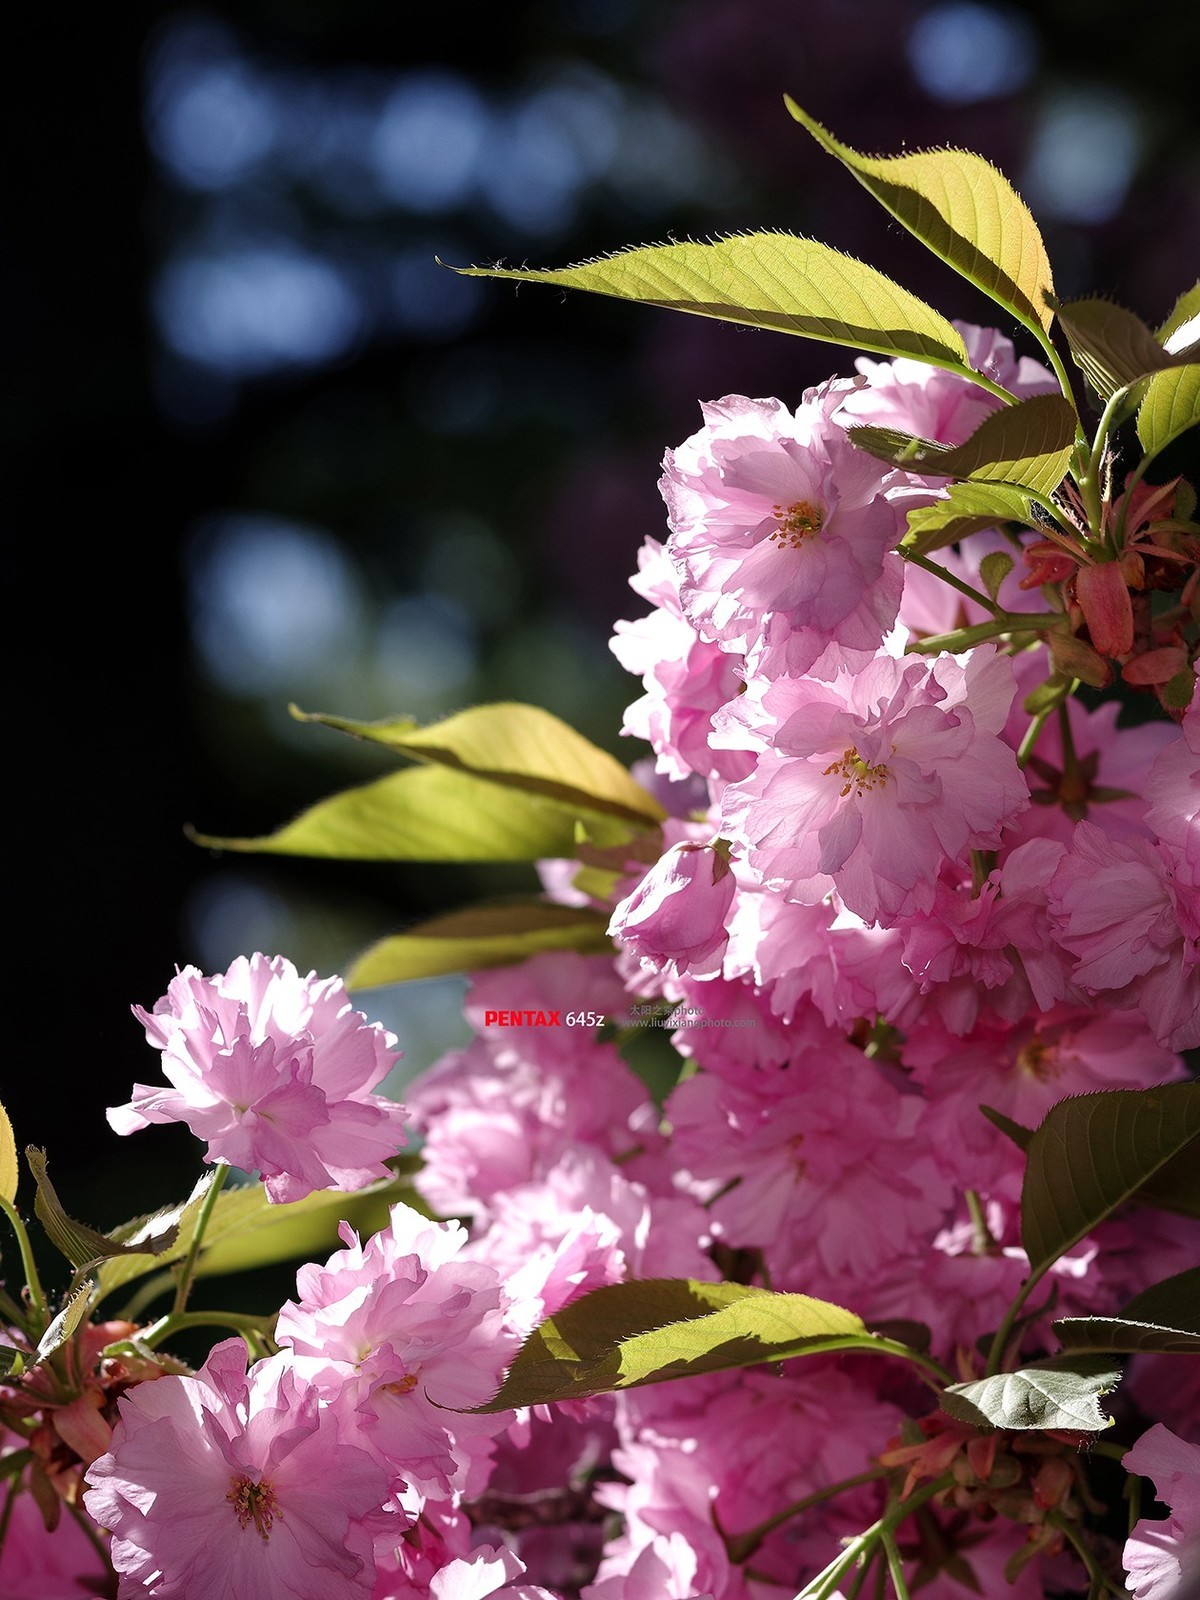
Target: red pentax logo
{"x":522,"y":1019}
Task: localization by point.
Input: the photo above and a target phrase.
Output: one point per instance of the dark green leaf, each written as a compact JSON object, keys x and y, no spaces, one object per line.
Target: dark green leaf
{"x":485,"y":936}
{"x":12,"y":1360}
{"x":768,"y":280}
{"x":993,"y":569}
{"x":966,"y":212}
{"x":1028,"y":444}
{"x":1047,"y":1394}
{"x":1016,"y":1131}
{"x":629,"y":1334}
{"x":1094,"y":1152}
{"x":84,"y":1246}
{"x":1112,"y":347}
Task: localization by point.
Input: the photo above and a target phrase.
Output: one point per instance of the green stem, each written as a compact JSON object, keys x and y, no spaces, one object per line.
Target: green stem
{"x":895,"y":1568}
{"x":932,"y":1369}
{"x":37,"y":1297}
{"x":741,"y":1546}
{"x":250,"y":1328}
{"x":979,"y":632}
{"x":947,"y":576}
{"x":826,"y":1582}
{"x":1004,"y":1331}
{"x":188,"y":1270}
{"x":1100,"y":1582}
{"x":982,"y":1243}
{"x":860,"y":1578}
{"x":1089,"y":480}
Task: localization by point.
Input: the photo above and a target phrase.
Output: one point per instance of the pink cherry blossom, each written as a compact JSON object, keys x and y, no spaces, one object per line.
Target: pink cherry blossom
{"x":487,"y":1572}
{"x":782,"y":536}
{"x":407,"y":1333}
{"x":687,"y":678}
{"x":676,"y":915}
{"x":1134,"y":929}
{"x":236,"y":1483}
{"x":868,"y":783}
{"x":1162,"y":1559}
{"x":275,"y":1071}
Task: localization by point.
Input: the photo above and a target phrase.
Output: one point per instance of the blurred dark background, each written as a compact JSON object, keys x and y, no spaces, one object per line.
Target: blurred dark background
{"x":266,"y":449}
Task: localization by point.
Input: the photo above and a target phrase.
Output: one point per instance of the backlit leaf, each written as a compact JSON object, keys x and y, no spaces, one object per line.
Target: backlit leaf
{"x":1092,"y":1153}
{"x":426,"y":814}
{"x":515,"y":746}
{"x":1181,"y":330}
{"x":66,"y":1322}
{"x":629,"y":1334}
{"x":767,"y":280}
{"x":1043,"y":1395}
{"x":1170,"y":406}
{"x":1028,"y":444}
{"x":9,"y":1170}
{"x":484,"y":936}
{"x":965,"y":211}
{"x":83,"y":1246}
{"x":967,"y":508}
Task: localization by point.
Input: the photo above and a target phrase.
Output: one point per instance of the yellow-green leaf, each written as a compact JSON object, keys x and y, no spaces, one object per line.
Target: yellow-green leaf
{"x":1112,"y":347}
{"x":516,"y":746}
{"x":1180,"y":330}
{"x":483,"y":936}
{"x":9,"y":1171}
{"x":427,"y":814}
{"x":966,"y":212}
{"x":768,"y":280}
{"x":967,"y":508}
{"x":629,"y":1334}
{"x":1170,"y":406}
{"x":1027,"y":444}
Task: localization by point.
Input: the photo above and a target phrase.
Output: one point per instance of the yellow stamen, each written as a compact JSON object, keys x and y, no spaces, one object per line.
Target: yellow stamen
{"x":860,"y":775}
{"x":254,"y":1502}
{"x":797,"y":522}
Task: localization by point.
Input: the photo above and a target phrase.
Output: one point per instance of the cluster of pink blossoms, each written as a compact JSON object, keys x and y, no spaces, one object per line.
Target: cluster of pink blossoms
{"x":878,"y":907}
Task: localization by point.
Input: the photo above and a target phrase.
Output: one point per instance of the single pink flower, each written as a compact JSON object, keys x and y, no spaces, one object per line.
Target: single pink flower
{"x":236,"y":1483}
{"x":487,"y":1572}
{"x":1162,"y":1559}
{"x":275,"y":1071}
{"x":676,"y":916}
{"x":781,"y":533}
{"x":869,"y":783}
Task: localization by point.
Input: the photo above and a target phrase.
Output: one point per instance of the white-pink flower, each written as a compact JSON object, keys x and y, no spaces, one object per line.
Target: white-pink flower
{"x":869,"y":783}
{"x":1162,"y":1559}
{"x":235,"y":1483}
{"x":275,"y":1071}
{"x":782,"y":536}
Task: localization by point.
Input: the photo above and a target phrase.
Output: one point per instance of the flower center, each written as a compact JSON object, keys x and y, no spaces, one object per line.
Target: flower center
{"x":858,"y":774}
{"x":1039,"y":1060}
{"x":404,"y":1385}
{"x":254,"y":1503}
{"x":797,"y":522}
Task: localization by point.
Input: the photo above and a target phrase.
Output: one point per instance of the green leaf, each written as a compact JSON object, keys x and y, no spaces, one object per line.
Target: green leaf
{"x":246,"y":1231}
{"x":484,"y":936}
{"x":12,"y":1361}
{"x":515,"y":746}
{"x":1170,"y":407}
{"x":629,"y":1334}
{"x":1165,"y":1317}
{"x":10,"y":1172}
{"x":82,"y":1246}
{"x":768,"y":280}
{"x":1047,"y":1394}
{"x":1094,"y":1152}
{"x":66,"y":1322}
{"x":1028,"y":444}
{"x":424,"y":814}
{"x":993,"y":569}
{"x":1016,"y":1131}
{"x":966,"y":212}
{"x":1186,"y":309}
{"x":1112,"y":347}
{"x":967,"y":508}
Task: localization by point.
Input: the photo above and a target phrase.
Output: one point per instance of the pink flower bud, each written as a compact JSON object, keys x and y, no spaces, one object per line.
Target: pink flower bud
{"x":676,"y":916}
